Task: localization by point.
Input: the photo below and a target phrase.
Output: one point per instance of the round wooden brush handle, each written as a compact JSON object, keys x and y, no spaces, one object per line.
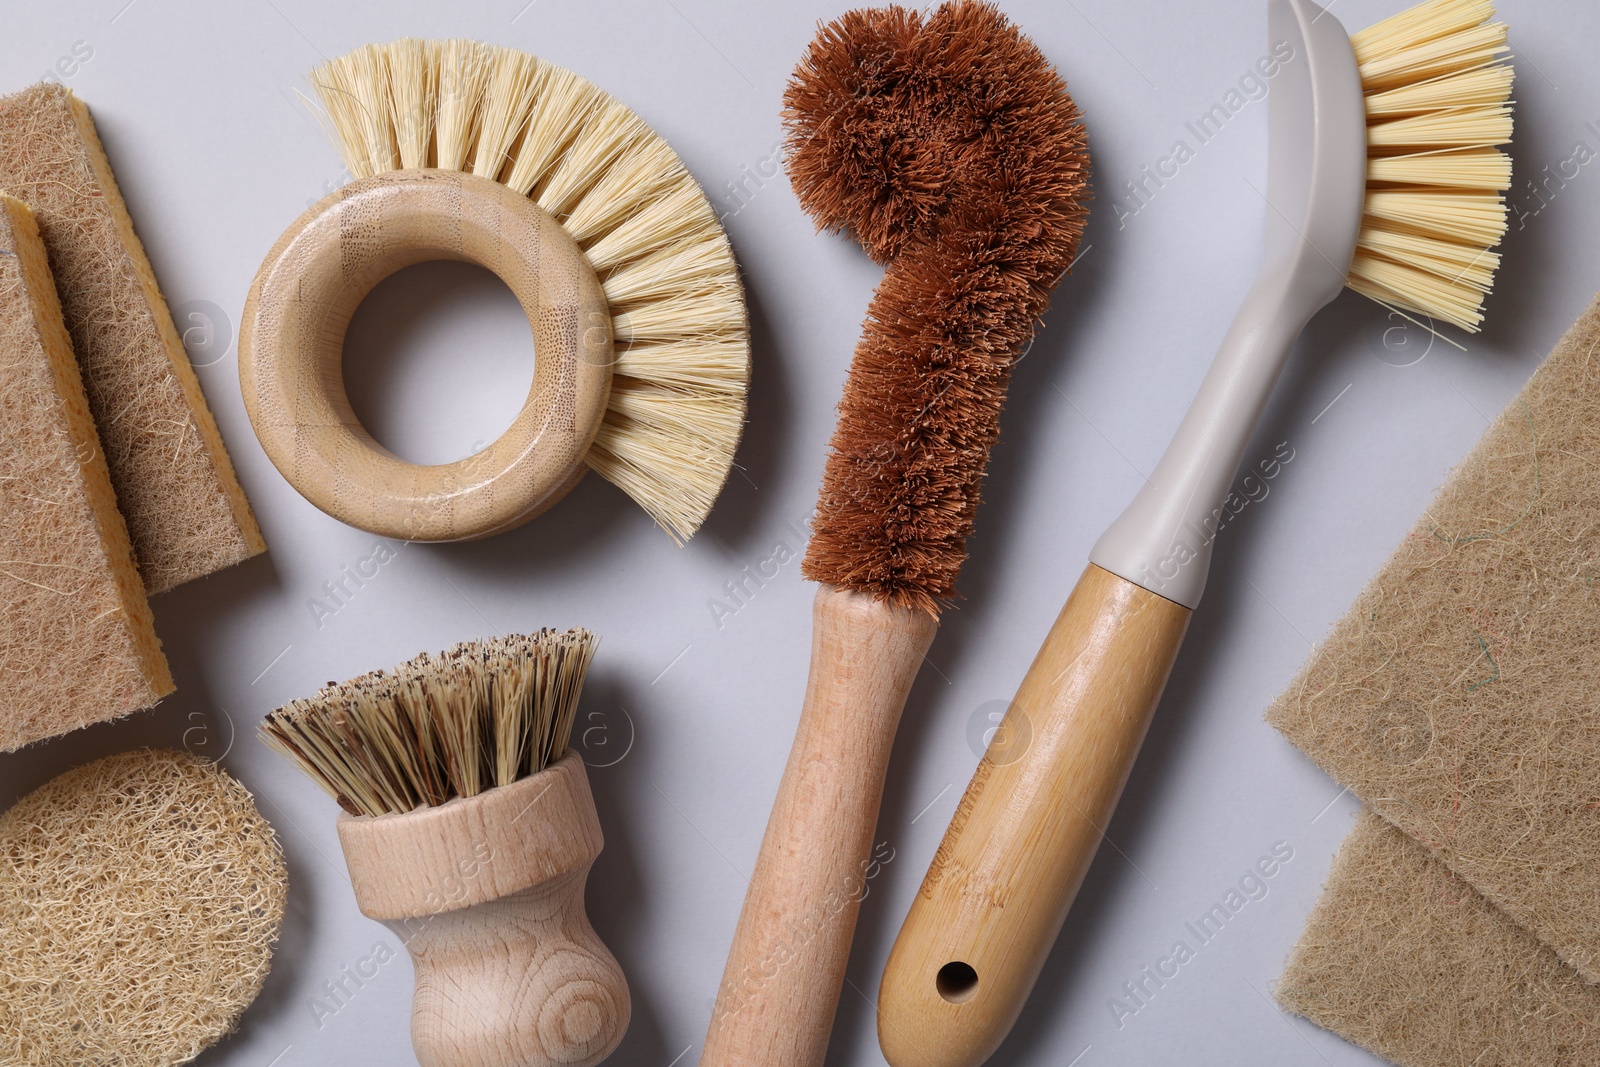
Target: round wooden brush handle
{"x":1024,"y":833}
{"x":486,"y":894}
{"x":291,"y":347}
{"x":784,"y":972}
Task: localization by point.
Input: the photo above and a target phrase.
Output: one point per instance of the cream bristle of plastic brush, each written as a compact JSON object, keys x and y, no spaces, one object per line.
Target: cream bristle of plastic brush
{"x":676,"y":405}
{"x":1437,"y":103}
{"x":1384,"y":174}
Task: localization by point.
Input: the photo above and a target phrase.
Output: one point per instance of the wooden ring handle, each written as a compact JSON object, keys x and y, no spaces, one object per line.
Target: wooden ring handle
{"x":486,"y":893}
{"x":291,"y":344}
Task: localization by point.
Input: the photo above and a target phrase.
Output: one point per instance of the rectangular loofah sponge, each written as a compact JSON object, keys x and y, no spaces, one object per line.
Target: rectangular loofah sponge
{"x":1404,"y":959}
{"x":186,"y":514}
{"x":1457,"y":697}
{"x":77,"y":642}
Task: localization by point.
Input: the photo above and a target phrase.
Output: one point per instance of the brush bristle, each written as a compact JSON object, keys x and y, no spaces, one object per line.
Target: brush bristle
{"x":949,"y":146}
{"x":1437,"y":95}
{"x":484,"y":714}
{"x":682,"y":339}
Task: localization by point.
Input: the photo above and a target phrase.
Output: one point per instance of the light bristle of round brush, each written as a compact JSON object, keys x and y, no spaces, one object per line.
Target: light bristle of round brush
{"x":482,"y":715}
{"x":678,"y":315}
{"x":1437,"y":90}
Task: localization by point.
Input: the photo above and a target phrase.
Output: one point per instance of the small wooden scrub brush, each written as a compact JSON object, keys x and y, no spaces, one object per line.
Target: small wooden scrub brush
{"x":1382,"y":175}
{"x":469,"y":831}
{"x":950,"y":147}
{"x":470,"y":152}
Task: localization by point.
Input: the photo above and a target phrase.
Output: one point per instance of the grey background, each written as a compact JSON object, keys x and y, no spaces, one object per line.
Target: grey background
{"x":692,"y":719}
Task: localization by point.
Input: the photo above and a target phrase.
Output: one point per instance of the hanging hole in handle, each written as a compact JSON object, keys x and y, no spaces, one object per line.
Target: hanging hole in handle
{"x":956,"y":981}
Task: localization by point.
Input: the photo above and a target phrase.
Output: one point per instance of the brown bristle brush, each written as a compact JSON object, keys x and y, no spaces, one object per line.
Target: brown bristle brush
{"x":949,"y":146}
{"x":469,"y":831}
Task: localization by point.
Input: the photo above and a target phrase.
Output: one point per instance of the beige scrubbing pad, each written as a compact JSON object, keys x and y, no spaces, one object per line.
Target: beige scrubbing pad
{"x":139,"y":899}
{"x":77,"y":643}
{"x":1404,"y":959}
{"x":186,"y":514}
{"x":1460,"y":696}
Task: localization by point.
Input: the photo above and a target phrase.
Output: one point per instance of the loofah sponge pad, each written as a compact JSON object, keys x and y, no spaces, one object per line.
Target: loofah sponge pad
{"x":1404,"y":959}
{"x":139,"y":899}
{"x":1457,"y":696}
{"x":77,"y":643}
{"x":186,"y":514}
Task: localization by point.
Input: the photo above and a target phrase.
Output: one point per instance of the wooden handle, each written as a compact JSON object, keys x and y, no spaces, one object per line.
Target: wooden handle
{"x":291,"y":347}
{"x":1024,"y":833}
{"x":784,"y":972}
{"x":486,"y":894}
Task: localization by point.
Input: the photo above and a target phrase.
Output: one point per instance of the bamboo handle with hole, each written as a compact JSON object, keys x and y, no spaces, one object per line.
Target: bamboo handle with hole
{"x":1027,"y":827}
{"x":786,"y":967}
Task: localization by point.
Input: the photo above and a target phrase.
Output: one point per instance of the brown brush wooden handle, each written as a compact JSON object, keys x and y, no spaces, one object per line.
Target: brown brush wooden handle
{"x":1024,"y":833}
{"x":784,"y":972}
{"x":486,"y":894}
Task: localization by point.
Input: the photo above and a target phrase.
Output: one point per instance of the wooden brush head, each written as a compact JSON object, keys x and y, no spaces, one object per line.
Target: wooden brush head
{"x":949,"y":146}
{"x":484,"y":714}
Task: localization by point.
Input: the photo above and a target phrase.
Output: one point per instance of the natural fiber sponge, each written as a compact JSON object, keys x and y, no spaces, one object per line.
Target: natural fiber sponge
{"x":1404,"y":959}
{"x":139,"y":899}
{"x":1458,"y":695}
{"x":186,"y":514}
{"x":77,"y":643}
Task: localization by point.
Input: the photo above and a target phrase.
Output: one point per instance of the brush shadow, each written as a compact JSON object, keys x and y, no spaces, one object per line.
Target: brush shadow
{"x":742,"y":511}
{"x":588,"y":525}
{"x":604,"y":736}
{"x":296,"y":935}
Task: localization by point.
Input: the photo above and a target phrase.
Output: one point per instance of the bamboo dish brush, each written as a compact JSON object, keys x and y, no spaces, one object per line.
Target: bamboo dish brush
{"x":949,"y":146}
{"x":467,"y":151}
{"x":1384,"y":175}
{"x":469,"y":830}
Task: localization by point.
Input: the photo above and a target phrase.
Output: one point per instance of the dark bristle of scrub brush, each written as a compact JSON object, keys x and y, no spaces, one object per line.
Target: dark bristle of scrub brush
{"x":484,"y":714}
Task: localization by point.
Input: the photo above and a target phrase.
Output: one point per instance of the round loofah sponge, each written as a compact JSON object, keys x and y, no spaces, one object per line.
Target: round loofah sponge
{"x":139,"y":899}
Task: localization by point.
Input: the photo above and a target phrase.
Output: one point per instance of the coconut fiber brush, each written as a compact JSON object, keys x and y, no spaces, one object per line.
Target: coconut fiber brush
{"x":949,"y":146}
{"x":1383,"y":175}
{"x":469,"y":830}
{"x":489,"y":155}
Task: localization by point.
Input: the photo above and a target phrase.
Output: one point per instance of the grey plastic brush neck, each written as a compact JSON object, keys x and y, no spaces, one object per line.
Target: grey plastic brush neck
{"x":1316,"y":186}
